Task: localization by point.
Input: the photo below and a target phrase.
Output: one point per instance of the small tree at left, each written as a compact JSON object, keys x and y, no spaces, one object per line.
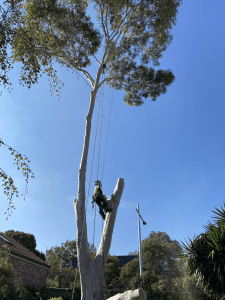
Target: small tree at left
{"x":6,"y":271}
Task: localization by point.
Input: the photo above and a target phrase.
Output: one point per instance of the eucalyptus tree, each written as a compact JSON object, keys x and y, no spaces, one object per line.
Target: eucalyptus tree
{"x":47,"y":30}
{"x":206,"y":257}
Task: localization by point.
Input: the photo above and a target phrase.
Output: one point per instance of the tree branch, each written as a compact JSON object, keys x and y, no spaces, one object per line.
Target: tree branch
{"x":88,"y":76}
{"x":96,"y":59}
{"x":120,"y":24}
{"x":127,"y":23}
{"x":106,"y":21}
{"x":106,"y":239}
{"x":111,"y":78}
{"x":103,"y":25}
{"x":70,"y":32}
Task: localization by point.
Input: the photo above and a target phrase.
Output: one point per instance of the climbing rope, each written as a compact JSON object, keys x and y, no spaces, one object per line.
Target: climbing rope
{"x":95,"y":202}
{"x":107,"y":137}
{"x":100,"y":130}
{"x":90,"y":181}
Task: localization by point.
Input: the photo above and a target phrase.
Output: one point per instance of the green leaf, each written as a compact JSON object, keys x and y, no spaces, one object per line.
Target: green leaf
{"x":214,"y":242}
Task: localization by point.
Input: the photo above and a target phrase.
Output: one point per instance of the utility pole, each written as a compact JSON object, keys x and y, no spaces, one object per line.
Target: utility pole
{"x":139,"y":233}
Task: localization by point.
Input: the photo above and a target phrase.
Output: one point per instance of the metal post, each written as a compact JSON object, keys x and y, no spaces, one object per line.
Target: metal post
{"x":139,"y":233}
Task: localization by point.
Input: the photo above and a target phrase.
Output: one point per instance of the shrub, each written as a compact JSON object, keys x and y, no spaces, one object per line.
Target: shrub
{"x":28,"y":292}
{"x":52,"y":283}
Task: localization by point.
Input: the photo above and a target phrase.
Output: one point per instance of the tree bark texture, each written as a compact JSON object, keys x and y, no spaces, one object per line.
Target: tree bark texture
{"x":91,"y":281}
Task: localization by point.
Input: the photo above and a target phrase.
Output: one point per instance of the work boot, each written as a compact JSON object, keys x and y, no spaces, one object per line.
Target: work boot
{"x":102,"y":213}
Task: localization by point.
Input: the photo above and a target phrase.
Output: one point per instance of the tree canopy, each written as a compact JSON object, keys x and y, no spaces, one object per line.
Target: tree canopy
{"x":62,"y":31}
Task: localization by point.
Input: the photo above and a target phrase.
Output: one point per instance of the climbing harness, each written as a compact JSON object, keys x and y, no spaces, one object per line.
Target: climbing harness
{"x":104,"y":65}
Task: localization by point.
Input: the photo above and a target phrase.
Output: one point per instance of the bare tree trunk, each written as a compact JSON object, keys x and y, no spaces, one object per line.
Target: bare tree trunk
{"x":91,"y":282}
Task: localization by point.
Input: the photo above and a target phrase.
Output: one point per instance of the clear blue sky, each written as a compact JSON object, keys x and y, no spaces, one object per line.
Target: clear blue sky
{"x":169,"y":152}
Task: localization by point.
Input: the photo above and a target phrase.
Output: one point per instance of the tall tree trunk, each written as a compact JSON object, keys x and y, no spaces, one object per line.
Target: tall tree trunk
{"x":91,"y":282}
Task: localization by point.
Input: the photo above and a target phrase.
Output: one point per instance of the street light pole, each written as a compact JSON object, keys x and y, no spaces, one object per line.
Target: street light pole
{"x":139,"y":233}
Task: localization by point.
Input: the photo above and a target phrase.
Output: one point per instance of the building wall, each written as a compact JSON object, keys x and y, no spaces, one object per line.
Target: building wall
{"x":30,"y":273}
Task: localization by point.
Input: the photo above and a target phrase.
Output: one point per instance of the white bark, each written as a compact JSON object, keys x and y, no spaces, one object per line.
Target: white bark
{"x":91,"y":284}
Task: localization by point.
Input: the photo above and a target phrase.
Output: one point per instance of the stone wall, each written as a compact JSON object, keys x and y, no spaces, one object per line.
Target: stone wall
{"x":31,"y":273}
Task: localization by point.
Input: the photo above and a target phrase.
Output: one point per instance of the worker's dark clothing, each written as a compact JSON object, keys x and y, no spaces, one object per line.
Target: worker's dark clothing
{"x":100,"y":200}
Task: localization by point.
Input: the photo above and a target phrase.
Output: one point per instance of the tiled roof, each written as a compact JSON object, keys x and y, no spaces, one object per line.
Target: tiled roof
{"x":20,"y":251}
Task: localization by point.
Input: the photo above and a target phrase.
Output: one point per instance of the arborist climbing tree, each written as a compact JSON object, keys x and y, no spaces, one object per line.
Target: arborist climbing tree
{"x":100,"y":200}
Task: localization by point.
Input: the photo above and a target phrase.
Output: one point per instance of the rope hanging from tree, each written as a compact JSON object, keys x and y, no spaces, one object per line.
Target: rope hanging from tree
{"x":97,"y":177}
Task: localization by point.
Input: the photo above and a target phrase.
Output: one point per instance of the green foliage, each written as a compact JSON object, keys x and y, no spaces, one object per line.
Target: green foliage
{"x":164,"y":275}
{"x":6,"y":270}
{"x":34,"y":45}
{"x":143,"y":82}
{"x":129,"y":270}
{"x":60,"y":258}
{"x":9,"y":188}
{"x":64,"y":254}
{"x":10,"y":291}
{"x":53,"y":283}
{"x":142,"y":28}
{"x":26,"y":293}
{"x":206,"y":258}
{"x":54,"y":262}
{"x":112,"y":269}
{"x":186,"y":286}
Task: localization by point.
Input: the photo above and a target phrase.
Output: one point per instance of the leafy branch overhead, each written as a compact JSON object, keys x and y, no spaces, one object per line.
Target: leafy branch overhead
{"x":63,"y":32}
{"x":9,"y":188}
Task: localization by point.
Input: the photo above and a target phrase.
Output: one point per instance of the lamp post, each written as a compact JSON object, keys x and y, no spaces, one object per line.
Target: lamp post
{"x":139,"y":233}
